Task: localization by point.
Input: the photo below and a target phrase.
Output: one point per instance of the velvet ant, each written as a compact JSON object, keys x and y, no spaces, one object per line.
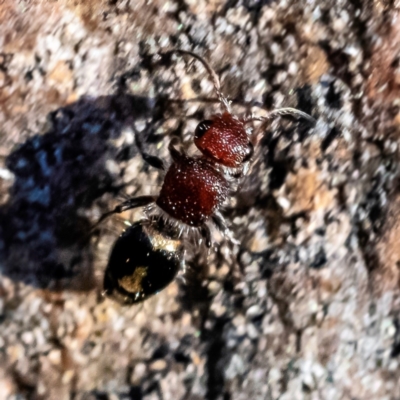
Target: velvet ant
{"x":149,"y":254}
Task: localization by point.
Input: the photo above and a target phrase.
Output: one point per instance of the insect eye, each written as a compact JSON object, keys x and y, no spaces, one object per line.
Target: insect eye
{"x":143,"y":261}
{"x":249,"y":152}
{"x":202,"y":128}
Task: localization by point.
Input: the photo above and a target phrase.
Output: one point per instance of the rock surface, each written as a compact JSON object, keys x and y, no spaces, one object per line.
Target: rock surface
{"x":307,"y":306}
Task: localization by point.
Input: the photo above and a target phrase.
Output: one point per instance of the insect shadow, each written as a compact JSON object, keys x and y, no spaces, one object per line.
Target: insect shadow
{"x":44,"y":237}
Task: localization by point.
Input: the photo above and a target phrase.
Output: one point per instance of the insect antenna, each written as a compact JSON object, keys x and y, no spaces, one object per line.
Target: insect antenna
{"x":214,"y":77}
{"x":273,"y":114}
{"x":281,"y":112}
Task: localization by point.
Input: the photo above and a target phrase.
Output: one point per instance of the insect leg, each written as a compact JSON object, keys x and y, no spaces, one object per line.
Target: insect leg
{"x":154,"y":161}
{"x":134,"y":202}
{"x":219,"y":222}
{"x":175,"y":154}
{"x":205,"y":232}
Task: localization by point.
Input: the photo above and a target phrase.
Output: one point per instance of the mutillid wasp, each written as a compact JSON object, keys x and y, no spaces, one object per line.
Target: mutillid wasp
{"x":149,"y":254}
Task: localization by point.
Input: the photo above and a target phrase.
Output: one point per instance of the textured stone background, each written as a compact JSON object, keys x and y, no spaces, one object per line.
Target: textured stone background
{"x":307,"y":307}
